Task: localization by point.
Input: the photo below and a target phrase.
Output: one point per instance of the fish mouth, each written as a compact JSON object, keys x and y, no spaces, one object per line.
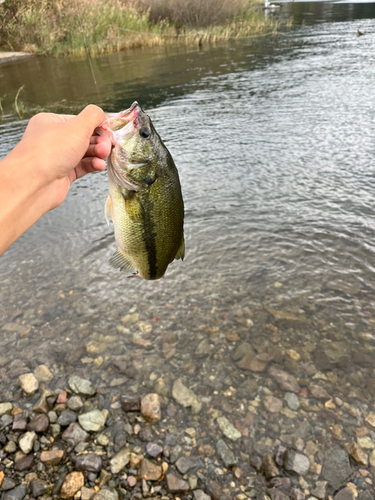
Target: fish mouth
{"x":129,"y":115}
{"x":118,"y":125}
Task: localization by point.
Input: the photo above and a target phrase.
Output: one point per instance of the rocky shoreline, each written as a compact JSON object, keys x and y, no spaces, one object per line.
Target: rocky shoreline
{"x":71,"y":444}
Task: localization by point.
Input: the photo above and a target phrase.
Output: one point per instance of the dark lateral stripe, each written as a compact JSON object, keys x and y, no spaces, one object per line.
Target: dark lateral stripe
{"x":149,"y":238}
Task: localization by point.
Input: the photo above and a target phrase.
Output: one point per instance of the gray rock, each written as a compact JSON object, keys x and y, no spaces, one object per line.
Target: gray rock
{"x":296,"y":494}
{"x":201,"y":495}
{"x":329,"y":354}
{"x":244,"y":349}
{"x":17,"y":493}
{"x":66,"y":418}
{"x":90,"y":462}
{"x":81,"y":386}
{"x":175,"y":453}
{"x":52,"y":416}
{"x":225,"y":453}
{"x":5,"y":420}
{"x":345,"y":494}
{"x":292,"y":400}
{"x":154,"y":449}
{"x":228,"y":429}
{"x":39,"y":488}
{"x":175,"y":484}
{"x":106,"y":494}
{"x":119,"y":461}
{"x":336,"y":467}
{"x":320,"y":489}
{"x":74,"y":434}
{"x":296,"y":462}
{"x":365,"y":495}
{"x":93,"y":420}
{"x":81,"y":447}
{"x":75,"y":403}
{"x":185,"y":397}
{"x":304,"y":430}
{"x":8,"y":484}
{"x":276,"y":494}
{"x":26,"y":442}
{"x":184,"y":464}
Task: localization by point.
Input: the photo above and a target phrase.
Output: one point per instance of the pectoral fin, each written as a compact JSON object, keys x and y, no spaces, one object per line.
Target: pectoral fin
{"x":108,"y":209}
{"x":120,"y":261}
{"x":181,"y":251}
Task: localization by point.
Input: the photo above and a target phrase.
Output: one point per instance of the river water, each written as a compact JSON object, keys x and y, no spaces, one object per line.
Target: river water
{"x":273,"y":138}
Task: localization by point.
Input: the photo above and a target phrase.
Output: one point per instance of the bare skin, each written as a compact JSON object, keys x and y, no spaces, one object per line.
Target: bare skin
{"x":36,"y":175}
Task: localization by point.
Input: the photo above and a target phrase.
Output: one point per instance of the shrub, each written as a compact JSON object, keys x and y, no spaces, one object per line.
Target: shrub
{"x":192,"y":13}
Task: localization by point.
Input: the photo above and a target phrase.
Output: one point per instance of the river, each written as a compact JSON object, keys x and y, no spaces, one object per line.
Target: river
{"x":273,"y":138}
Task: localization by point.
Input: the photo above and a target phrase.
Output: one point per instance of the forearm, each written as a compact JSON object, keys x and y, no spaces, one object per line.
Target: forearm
{"x":35,"y":177}
{"x":23,"y":197}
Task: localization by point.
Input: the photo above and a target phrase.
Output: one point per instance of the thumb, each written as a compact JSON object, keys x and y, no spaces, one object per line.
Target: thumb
{"x":90,"y":118}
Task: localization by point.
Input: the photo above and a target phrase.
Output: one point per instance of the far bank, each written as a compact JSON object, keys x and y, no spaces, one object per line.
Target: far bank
{"x":65,"y":27}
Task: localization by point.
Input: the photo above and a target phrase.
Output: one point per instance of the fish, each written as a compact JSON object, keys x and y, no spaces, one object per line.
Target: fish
{"x":145,"y":199}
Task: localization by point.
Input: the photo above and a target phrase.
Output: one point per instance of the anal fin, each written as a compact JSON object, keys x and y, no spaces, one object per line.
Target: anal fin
{"x":181,"y":251}
{"x":119,"y":261}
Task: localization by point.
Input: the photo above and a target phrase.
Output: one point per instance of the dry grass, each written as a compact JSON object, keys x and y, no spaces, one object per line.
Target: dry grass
{"x":76,"y":27}
{"x":193,"y":13}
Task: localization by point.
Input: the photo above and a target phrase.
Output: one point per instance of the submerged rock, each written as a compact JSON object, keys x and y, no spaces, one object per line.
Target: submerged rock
{"x":228,"y":429}
{"x":185,"y":397}
{"x":81,"y":386}
{"x":175,"y":484}
{"x":296,"y":462}
{"x":336,"y":467}
{"x":286,"y":381}
{"x":150,"y":408}
{"x":93,"y":420}
{"x":225,"y":453}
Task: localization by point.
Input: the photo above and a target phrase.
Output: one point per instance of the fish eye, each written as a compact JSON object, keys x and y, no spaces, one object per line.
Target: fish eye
{"x":145,"y":132}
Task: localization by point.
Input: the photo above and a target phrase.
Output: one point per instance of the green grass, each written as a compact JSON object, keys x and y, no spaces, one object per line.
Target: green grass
{"x":76,"y":27}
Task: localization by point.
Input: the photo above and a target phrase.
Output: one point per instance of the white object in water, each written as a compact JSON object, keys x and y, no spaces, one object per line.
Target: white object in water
{"x":268,"y":5}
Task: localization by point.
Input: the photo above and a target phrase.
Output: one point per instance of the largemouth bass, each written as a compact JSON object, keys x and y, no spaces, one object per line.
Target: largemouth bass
{"x":145,"y":200}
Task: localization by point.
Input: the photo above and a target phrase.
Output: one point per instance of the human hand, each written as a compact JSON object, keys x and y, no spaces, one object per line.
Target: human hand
{"x":65,"y":148}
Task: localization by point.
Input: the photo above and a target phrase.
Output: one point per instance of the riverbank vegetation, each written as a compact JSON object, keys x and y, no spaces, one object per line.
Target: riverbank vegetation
{"x":71,"y":27}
